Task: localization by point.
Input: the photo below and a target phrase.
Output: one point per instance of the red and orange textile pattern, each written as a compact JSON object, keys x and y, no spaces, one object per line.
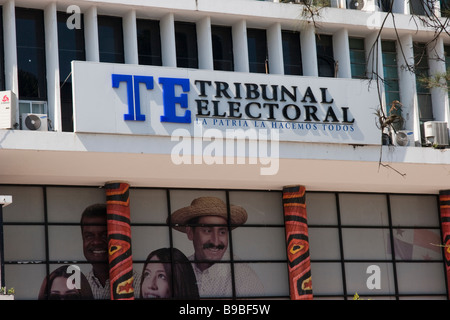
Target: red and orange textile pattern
{"x":294,"y":208}
{"x":444,"y":207}
{"x":299,"y":264}
{"x":119,"y":241}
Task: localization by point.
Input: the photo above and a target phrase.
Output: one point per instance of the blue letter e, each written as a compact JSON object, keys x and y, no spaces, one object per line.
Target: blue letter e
{"x":170,"y":100}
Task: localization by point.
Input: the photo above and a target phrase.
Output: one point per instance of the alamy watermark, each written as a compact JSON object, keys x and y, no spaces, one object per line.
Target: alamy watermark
{"x":374,"y":280}
{"x":73,"y":281}
{"x":233,"y":147}
{"x":74,"y":20}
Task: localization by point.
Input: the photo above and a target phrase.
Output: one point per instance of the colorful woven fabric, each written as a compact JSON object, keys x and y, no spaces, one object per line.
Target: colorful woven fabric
{"x":119,"y":241}
{"x":444,"y":207}
{"x":299,"y":263}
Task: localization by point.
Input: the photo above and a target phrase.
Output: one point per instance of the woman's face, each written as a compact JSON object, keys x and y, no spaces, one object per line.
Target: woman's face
{"x":156,"y":283}
{"x":59,"y":290}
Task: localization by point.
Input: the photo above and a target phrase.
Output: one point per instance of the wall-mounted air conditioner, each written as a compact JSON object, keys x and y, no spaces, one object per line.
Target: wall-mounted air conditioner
{"x":404,"y":138}
{"x":365,"y":5}
{"x":34,"y":121}
{"x":436,"y":133}
{"x":7,"y":110}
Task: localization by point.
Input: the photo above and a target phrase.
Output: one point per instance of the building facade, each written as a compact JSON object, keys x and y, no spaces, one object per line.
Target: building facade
{"x":148,"y":107}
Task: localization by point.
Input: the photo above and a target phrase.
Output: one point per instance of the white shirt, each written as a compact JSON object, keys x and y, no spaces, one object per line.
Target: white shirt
{"x":104,"y":292}
{"x":215,"y":281}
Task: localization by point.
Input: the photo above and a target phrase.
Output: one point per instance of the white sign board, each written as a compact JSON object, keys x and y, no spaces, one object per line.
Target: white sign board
{"x":152,"y":100}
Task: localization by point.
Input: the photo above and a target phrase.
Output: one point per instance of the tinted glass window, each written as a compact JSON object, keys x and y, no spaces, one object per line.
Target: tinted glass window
{"x":422,"y":74}
{"x":110,"y":39}
{"x":2,"y":61}
{"x":390,"y":71}
{"x":417,"y":7}
{"x":149,"y":42}
{"x":222,"y":48}
{"x":445,"y":8}
{"x":31,"y":54}
{"x":292,"y":56}
{"x":357,"y":58}
{"x":447,"y":63}
{"x":70,"y":47}
{"x":325,"y":56}
{"x":186,"y":44}
{"x":257,"y":50}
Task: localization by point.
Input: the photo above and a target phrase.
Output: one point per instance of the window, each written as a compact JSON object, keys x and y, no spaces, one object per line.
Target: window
{"x":292,"y":55}
{"x":352,"y":232}
{"x":222,"y":44}
{"x":149,"y":42}
{"x":110,"y":39}
{"x":2,"y":54}
{"x":422,"y":73}
{"x":391,"y":80}
{"x":186,"y":45}
{"x":70,"y":48}
{"x":257,"y":50}
{"x":445,"y":8}
{"x":447,"y":64}
{"x":31,"y":54}
{"x":325,"y":56}
{"x":357,"y":58}
{"x":385,"y":5}
{"x":42,"y":228}
{"x":418,"y":7}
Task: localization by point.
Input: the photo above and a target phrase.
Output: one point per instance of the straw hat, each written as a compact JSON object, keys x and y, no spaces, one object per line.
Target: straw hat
{"x":207,"y":206}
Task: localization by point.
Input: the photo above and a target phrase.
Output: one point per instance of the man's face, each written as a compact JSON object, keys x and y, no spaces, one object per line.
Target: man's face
{"x":210,"y":238}
{"x":95,"y":239}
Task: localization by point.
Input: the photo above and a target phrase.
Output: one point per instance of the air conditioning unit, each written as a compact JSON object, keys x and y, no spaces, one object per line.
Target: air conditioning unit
{"x":436,"y":133}
{"x":7,"y":110}
{"x":34,"y":121}
{"x":356,"y":4}
{"x":365,"y":5}
{"x":404,"y":138}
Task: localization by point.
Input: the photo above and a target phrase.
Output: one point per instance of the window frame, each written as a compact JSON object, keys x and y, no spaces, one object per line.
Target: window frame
{"x":78,"y":52}
{"x":326,"y":63}
{"x":153,"y":43}
{"x":354,"y":64}
{"x":186,"y":44}
{"x":35,"y":50}
{"x":292,"y":48}
{"x":116,"y":52}
{"x":258,"y":54}
{"x":393,"y":66}
{"x":223,"y":36}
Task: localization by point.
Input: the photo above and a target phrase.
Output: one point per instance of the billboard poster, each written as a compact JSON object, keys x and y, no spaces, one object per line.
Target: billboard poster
{"x":185,"y":244}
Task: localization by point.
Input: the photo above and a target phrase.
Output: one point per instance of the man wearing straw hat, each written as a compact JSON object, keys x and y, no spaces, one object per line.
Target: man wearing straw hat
{"x":205,"y":223}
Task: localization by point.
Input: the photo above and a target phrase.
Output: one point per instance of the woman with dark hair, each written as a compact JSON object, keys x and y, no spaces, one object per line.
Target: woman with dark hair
{"x":54,"y":286}
{"x":167,"y":273}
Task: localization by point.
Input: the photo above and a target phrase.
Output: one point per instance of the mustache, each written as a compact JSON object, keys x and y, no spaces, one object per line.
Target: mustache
{"x":212,"y":246}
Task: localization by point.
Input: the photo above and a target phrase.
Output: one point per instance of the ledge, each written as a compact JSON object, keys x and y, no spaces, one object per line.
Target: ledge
{"x":92,"y":159}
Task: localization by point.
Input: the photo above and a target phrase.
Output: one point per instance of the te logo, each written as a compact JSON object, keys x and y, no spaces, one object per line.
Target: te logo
{"x":170,"y":99}
{"x":73,"y":281}
{"x":374,"y":280}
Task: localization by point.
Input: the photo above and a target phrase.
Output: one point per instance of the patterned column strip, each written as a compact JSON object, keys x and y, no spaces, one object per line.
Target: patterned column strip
{"x":444,"y":207}
{"x":119,"y":241}
{"x":299,"y":264}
